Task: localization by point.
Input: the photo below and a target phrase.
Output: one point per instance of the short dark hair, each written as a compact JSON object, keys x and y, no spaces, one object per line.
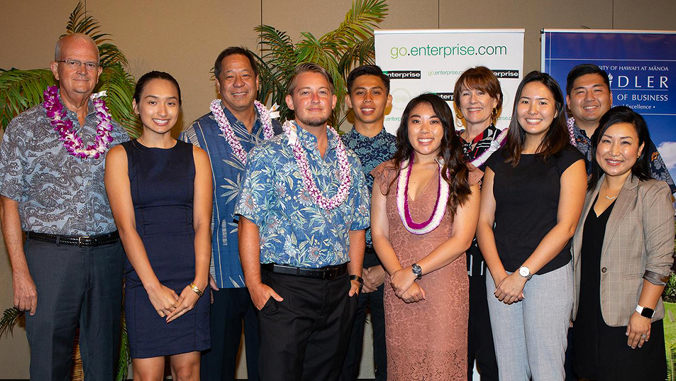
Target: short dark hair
{"x":373,"y":70}
{"x":584,"y":69}
{"x":218,"y":65}
{"x":149,"y":76}
{"x":622,"y":114}
{"x":555,"y":140}
{"x":309,"y":67}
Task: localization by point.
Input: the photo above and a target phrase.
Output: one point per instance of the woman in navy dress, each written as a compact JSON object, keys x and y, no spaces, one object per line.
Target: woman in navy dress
{"x":160,"y":194}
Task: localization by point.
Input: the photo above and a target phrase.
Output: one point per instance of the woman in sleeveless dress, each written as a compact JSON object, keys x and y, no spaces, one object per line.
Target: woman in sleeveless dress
{"x":424,"y":213}
{"x":160,"y":194}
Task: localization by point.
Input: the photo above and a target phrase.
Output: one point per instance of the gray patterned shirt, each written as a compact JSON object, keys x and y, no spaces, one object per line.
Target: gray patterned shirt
{"x":57,"y":192}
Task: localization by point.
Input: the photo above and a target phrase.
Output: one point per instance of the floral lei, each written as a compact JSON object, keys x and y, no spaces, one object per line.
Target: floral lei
{"x":402,"y":201}
{"x":64,"y":126}
{"x":570,"y":123}
{"x":229,"y":134}
{"x":309,"y":183}
{"x":495,"y":145}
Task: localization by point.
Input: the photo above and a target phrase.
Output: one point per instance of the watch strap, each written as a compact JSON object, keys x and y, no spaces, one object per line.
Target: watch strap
{"x":357,"y":278}
{"x":417,"y":270}
{"x":645,"y":311}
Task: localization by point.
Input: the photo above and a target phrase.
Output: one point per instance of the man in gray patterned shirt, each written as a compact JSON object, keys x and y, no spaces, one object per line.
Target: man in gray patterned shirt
{"x":52,"y":188}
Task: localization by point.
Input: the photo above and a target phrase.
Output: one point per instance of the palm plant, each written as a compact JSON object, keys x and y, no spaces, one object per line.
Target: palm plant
{"x":23,"y":89}
{"x":337,"y":51}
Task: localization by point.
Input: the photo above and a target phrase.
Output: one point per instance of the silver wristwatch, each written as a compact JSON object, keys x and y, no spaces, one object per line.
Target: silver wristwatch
{"x":417,"y":270}
{"x":525,"y":272}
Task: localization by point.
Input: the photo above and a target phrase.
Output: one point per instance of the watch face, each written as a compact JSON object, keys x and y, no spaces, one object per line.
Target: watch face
{"x":524,"y":271}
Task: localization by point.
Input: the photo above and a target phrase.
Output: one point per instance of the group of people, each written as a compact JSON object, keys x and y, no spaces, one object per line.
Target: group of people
{"x":292,"y":232}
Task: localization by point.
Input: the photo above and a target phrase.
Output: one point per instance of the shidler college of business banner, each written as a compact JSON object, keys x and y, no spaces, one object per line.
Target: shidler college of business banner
{"x":430,"y":61}
{"x":642,"y":70}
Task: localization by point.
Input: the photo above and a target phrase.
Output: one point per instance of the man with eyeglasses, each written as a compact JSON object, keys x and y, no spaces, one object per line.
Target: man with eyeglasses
{"x":69,"y":271}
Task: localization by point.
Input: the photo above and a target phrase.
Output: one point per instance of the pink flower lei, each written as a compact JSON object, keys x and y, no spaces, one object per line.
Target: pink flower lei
{"x":229,"y":134}
{"x":64,"y":126}
{"x":402,"y":201}
{"x":309,"y":183}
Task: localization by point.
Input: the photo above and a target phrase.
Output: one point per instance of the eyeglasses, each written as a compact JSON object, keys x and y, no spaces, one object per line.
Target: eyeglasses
{"x":75,"y":64}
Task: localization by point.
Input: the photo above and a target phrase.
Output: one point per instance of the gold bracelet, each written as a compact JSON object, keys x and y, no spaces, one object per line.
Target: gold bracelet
{"x":196,"y":289}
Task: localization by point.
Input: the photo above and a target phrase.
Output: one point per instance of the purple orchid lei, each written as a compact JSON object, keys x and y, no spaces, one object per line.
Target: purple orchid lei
{"x":229,"y":134}
{"x":309,"y":183}
{"x":402,"y":201}
{"x":64,"y":126}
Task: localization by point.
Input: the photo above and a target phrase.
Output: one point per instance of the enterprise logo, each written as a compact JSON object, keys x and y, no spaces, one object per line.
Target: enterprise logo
{"x":448,"y":97}
{"x":403,"y":74}
{"x":506,"y":73}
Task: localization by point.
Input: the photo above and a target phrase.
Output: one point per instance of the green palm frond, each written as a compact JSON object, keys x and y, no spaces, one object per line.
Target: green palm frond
{"x":275,"y":43}
{"x":337,"y":51}
{"x":9,"y":319}
{"x":119,"y":88}
{"x":359,"y":23}
{"x":125,"y":356}
{"x":80,"y":22}
{"x":361,"y":53}
{"x":21,"y":90}
{"x":111,"y":55}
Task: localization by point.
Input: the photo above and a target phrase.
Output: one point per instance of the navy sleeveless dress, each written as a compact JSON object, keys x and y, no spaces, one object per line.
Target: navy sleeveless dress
{"x":162,"y":188}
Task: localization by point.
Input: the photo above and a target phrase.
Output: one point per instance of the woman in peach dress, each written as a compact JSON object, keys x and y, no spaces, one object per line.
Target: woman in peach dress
{"x":424,"y":214}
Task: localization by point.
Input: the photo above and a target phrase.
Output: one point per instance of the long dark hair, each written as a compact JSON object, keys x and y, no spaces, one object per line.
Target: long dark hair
{"x":622,"y":114}
{"x":454,"y":170}
{"x":556,"y":138}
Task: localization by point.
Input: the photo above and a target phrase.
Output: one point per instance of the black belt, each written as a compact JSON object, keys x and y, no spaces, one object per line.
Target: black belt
{"x":90,"y":241}
{"x":330,"y":272}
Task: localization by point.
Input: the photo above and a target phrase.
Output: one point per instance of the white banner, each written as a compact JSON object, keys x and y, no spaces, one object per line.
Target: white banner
{"x":430,"y":61}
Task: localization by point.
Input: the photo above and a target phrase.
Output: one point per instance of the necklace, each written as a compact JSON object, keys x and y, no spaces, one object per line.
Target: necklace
{"x":611,"y":198}
{"x":402,"y":201}
{"x":308,"y":182}
{"x":229,"y":134}
{"x":64,"y":126}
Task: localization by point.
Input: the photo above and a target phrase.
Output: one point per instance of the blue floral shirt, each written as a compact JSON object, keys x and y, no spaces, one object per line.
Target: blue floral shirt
{"x":658,"y":169}
{"x":371,"y":152}
{"x":57,"y":192}
{"x":227,"y":171}
{"x":293,"y":230}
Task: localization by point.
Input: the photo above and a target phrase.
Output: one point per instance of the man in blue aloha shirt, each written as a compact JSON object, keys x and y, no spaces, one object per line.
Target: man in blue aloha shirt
{"x":589,"y":97}
{"x":237,"y":82}
{"x":303,"y":209}
{"x":368,"y":97}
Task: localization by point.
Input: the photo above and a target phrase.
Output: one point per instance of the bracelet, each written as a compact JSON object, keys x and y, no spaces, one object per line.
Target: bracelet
{"x":196,"y":289}
{"x":358,"y":279}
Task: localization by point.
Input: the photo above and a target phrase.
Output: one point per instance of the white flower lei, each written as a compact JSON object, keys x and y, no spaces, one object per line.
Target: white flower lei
{"x":229,"y":134}
{"x":309,"y":183}
{"x":402,"y":201}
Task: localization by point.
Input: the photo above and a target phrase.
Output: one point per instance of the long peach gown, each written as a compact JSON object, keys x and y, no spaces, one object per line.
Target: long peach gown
{"x":426,"y":340}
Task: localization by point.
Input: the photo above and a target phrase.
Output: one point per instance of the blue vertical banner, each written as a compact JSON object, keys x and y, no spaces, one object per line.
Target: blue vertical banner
{"x":642,"y":70}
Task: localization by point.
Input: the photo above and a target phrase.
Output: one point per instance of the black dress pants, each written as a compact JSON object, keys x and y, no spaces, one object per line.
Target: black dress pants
{"x":230,"y":308}
{"x":373,"y":301}
{"x":76,"y":286}
{"x":480,"y":336}
{"x":305,"y":337}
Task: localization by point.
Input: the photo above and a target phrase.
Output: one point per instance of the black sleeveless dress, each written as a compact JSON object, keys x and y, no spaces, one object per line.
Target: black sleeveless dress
{"x":601,"y":352}
{"x":162,"y":188}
